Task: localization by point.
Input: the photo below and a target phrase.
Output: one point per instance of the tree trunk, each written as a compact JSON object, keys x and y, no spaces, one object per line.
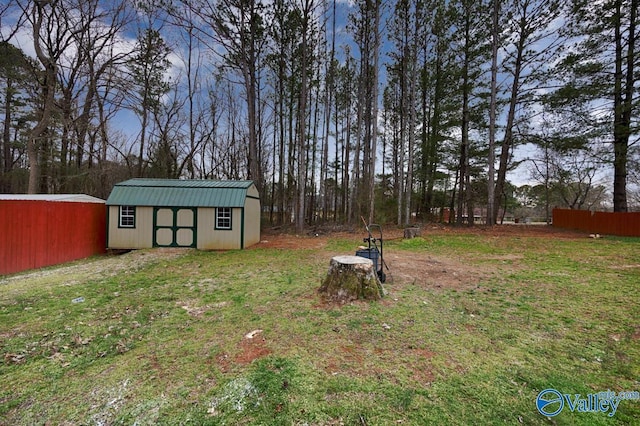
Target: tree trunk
{"x":374,"y":113}
{"x":464,"y":145}
{"x":491,"y":215}
{"x":328,"y":100}
{"x":48,"y":101}
{"x":466,"y":118}
{"x":6,"y":162}
{"x":301,"y":121}
{"x":507,"y":142}
{"x":410,"y":233}
{"x":623,"y":101}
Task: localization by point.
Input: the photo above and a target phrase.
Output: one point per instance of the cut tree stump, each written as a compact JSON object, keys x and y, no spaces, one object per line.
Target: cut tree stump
{"x":351,"y":278}
{"x":411,"y":233}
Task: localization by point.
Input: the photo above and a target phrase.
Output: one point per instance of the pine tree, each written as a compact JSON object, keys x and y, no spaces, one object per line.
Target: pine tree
{"x":472,"y":51}
{"x":601,"y":68}
{"x":365,"y":22}
{"x":16,"y":69}
{"x":147,"y":66}
{"x":529,"y":44}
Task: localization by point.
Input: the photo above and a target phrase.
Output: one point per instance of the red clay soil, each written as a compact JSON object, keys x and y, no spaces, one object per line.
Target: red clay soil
{"x":251,"y":349}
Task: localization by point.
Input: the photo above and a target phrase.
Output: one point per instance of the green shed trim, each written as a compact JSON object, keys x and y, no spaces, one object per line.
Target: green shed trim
{"x":242,"y":228}
{"x":107,"y":228}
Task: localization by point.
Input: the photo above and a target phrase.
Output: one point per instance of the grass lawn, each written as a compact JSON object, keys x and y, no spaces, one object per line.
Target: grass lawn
{"x":474,"y":326}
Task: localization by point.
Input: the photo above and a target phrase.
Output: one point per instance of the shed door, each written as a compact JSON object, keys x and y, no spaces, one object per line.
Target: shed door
{"x":174,"y":227}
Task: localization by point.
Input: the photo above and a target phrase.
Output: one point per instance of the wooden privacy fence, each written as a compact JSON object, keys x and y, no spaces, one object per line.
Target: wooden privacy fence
{"x":606,"y":223}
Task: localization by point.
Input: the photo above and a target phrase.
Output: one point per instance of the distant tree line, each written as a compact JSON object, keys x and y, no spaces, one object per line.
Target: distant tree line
{"x":397,"y":112}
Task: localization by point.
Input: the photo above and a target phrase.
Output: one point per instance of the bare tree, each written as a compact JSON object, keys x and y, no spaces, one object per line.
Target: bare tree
{"x":92,"y":56}
{"x":52,"y":35}
{"x":237,"y":26}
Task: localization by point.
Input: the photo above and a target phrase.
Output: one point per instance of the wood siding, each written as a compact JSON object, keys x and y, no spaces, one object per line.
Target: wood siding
{"x":139,"y":237}
{"x":252,"y":221}
{"x":210,"y":238}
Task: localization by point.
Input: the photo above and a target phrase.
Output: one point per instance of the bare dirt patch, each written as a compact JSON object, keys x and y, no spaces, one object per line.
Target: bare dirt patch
{"x":433,"y":272}
{"x":252,"y":346}
{"x":251,"y":349}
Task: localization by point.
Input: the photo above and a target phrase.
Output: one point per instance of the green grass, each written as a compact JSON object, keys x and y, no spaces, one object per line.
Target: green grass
{"x":165,"y":343}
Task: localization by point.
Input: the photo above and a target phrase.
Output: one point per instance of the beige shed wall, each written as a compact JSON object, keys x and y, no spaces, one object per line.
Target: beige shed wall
{"x":210,"y":238}
{"x":251,"y":221}
{"x":252,"y":191}
{"x":131,"y":238}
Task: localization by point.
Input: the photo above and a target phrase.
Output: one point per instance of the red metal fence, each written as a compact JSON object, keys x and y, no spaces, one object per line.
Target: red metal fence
{"x":606,"y":223}
{"x":34,"y":234}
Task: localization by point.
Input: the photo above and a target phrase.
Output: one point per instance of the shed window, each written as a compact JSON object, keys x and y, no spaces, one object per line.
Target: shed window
{"x":223,"y":218}
{"x":127,"y":217}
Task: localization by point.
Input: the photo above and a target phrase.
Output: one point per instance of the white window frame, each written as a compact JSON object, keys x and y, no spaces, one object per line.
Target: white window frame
{"x":127,"y":217}
{"x":224,"y":217}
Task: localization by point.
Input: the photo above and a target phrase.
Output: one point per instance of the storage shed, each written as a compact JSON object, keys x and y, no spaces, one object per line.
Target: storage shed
{"x":45,"y":230}
{"x":205,"y":214}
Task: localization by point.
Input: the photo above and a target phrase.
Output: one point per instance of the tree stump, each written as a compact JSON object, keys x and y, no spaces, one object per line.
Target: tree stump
{"x":351,"y":278}
{"x":411,"y":233}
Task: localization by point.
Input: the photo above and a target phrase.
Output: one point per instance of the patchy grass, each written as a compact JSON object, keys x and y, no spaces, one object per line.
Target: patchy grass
{"x":242,"y":337}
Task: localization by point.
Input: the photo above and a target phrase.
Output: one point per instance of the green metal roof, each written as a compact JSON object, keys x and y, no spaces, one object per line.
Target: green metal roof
{"x":179,"y":193}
